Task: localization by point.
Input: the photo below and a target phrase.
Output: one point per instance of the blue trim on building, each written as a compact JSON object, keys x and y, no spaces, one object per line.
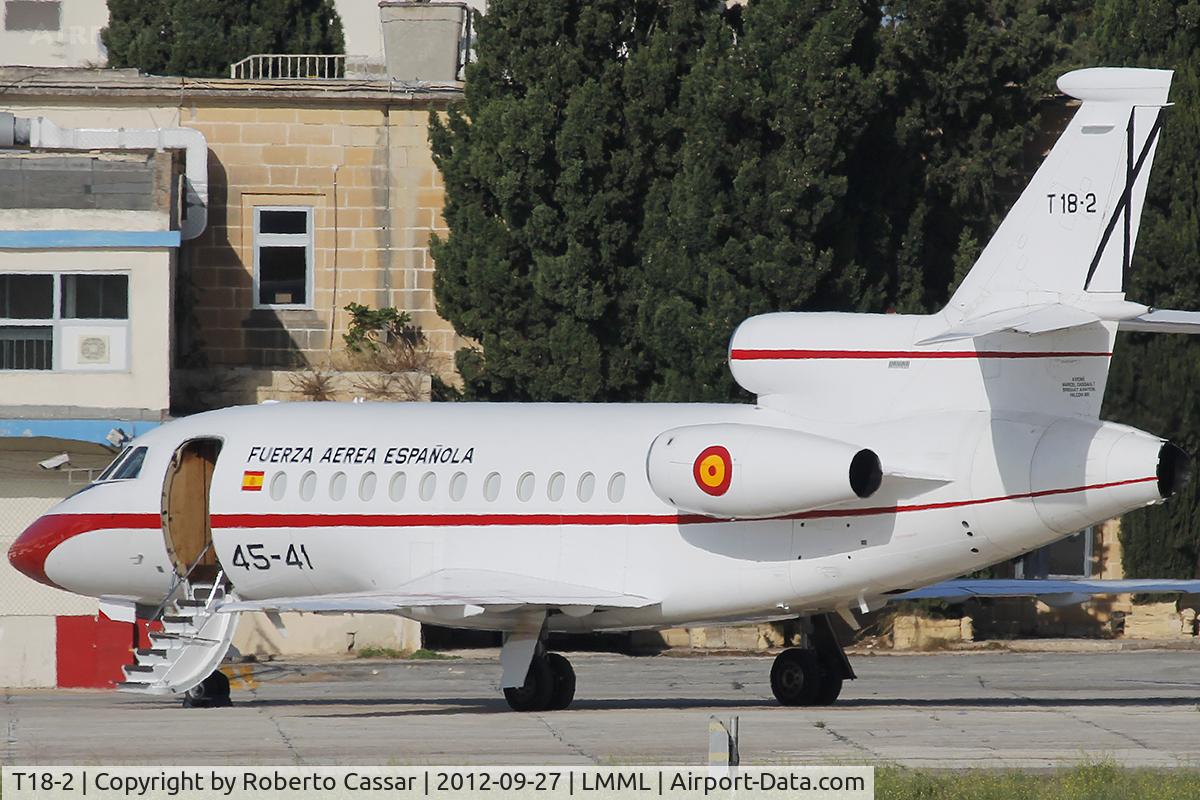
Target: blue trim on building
{"x":83,"y":240}
{"x":83,"y":430}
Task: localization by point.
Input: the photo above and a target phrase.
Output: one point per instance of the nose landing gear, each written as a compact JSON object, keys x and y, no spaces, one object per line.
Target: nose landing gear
{"x":212,"y":692}
{"x":812,"y":676}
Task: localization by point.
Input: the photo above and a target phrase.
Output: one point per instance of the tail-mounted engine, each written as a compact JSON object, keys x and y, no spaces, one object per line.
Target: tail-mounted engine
{"x":750,"y":471}
{"x":1086,"y":471}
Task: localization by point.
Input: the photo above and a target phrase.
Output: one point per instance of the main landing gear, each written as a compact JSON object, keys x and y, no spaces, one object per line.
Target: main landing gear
{"x":812,"y":676}
{"x":549,"y":685}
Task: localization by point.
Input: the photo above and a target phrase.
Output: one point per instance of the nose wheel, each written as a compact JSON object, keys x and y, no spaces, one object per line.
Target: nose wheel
{"x":549,"y":685}
{"x":212,"y":692}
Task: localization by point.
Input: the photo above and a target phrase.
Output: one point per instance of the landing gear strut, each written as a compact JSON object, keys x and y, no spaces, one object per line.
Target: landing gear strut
{"x":212,"y":692}
{"x":549,"y":685}
{"x":812,"y":676}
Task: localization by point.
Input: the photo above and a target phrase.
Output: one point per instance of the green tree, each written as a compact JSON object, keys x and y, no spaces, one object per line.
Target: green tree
{"x":1155,"y":380}
{"x":626,"y":183}
{"x":201,"y":38}
{"x":759,"y":215}
{"x":966,"y":81}
{"x":568,"y":118}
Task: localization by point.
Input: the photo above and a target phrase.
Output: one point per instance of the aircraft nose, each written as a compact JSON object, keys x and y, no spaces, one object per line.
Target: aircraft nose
{"x":29,"y":552}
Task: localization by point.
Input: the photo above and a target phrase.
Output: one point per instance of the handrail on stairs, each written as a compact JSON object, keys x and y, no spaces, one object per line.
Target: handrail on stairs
{"x":179,"y":581}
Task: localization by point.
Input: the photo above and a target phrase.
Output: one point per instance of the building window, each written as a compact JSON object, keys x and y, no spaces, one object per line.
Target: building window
{"x":283,"y":257}
{"x":33,"y":15}
{"x":1067,"y":558}
{"x":64,"y":321}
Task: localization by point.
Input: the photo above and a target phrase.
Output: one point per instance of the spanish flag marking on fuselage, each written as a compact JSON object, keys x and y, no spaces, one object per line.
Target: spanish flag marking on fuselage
{"x":252,"y":481}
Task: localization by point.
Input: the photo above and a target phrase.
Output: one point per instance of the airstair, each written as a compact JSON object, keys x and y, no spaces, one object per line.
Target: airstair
{"x":191,"y":645}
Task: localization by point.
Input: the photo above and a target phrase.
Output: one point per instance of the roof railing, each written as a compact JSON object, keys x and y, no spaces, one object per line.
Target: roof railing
{"x":290,"y":66}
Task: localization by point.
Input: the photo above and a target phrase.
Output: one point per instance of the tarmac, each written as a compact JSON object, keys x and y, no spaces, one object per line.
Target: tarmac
{"x":1028,"y":710}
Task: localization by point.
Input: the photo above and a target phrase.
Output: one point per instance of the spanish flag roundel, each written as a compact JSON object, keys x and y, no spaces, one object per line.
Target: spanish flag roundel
{"x":713,"y":470}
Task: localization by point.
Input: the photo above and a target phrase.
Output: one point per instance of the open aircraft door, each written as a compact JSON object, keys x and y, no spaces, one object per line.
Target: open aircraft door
{"x":186,"y":510}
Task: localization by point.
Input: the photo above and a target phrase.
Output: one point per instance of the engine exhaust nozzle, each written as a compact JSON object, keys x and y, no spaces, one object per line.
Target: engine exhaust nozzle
{"x":1174,"y":469}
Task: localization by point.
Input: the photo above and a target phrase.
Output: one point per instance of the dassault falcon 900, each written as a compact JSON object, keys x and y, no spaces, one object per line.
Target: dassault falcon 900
{"x":885,"y":455}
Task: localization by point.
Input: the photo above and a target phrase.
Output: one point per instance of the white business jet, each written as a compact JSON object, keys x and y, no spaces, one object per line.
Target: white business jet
{"x":885,"y":454}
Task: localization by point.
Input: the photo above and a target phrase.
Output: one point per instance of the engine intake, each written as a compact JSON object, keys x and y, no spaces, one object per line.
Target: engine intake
{"x":751,"y":471}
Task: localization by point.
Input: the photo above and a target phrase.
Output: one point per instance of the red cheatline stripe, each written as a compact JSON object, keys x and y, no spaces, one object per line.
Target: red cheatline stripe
{"x":805,"y":355}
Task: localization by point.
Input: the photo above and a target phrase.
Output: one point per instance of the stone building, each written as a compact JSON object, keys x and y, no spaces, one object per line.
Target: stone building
{"x":320,"y":193}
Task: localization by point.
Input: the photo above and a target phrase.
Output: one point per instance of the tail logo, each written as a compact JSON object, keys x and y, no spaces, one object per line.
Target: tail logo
{"x":713,"y":470}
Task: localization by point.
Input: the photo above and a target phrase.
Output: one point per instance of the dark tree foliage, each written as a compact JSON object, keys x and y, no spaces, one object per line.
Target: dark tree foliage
{"x":760,"y":213}
{"x":201,"y":38}
{"x":569,"y":119}
{"x":626,"y":182}
{"x":1155,"y":380}
{"x":965,"y":80}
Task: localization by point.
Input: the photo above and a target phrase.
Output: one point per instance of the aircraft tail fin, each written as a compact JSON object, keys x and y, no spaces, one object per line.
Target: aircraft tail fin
{"x":1071,"y":234}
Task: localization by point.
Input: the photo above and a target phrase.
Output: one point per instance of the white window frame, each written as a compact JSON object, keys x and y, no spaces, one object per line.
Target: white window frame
{"x":57,"y":322}
{"x":260,"y":240}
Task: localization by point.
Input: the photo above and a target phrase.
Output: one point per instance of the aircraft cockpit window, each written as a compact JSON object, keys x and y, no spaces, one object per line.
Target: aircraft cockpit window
{"x":127,"y":468}
{"x":108,"y":471}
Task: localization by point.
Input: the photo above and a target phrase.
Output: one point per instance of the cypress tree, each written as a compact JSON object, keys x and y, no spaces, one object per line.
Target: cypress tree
{"x":201,"y":38}
{"x":628,"y":182}
{"x":567,"y":118}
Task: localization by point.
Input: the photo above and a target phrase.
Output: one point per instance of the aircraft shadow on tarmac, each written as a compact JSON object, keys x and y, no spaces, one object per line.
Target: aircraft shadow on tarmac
{"x":373,"y":707}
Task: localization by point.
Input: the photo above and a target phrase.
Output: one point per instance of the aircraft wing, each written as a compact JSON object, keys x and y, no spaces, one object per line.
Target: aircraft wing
{"x":1053,"y":591}
{"x":1164,"y":321}
{"x":455,"y":587}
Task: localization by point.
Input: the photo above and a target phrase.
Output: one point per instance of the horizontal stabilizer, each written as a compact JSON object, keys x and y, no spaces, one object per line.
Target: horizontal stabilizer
{"x":1029,"y":319}
{"x":1051,"y":591}
{"x":1038,"y":318}
{"x":453,"y":587}
{"x":1164,"y":321}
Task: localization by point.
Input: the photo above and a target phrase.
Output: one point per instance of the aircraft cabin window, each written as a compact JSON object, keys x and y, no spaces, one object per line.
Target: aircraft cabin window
{"x":278,"y":485}
{"x":616,"y":487}
{"x":587,"y":485}
{"x":308,"y":485}
{"x":491,"y":487}
{"x":554,"y":488}
{"x":130,"y":467}
{"x":337,"y":486}
{"x":428,"y":486}
{"x":366,"y":486}
{"x":458,"y":486}
{"x":396,"y":487}
{"x":525,"y":486}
